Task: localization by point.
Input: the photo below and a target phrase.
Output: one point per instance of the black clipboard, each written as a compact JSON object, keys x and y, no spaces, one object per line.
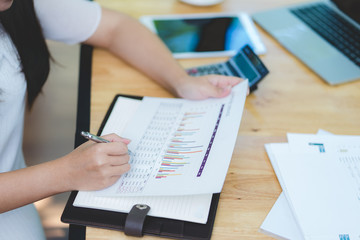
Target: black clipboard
{"x":156,"y":226}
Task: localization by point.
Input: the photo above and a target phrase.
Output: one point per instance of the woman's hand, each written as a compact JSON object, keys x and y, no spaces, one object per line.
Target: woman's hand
{"x":94,"y":166}
{"x":209,"y":86}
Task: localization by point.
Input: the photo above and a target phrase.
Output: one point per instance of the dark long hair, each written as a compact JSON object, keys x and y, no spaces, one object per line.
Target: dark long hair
{"x":21,"y":23}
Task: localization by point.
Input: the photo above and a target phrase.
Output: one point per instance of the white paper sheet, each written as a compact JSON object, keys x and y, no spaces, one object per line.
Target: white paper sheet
{"x":319,"y":176}
{"x":280,"y":222}
{"x":193,"y":208}
{"x":180,"y":147}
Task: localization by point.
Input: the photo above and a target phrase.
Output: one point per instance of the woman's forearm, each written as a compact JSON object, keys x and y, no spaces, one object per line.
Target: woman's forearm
{"x":27,"y":185}
{"x":128,"y":39}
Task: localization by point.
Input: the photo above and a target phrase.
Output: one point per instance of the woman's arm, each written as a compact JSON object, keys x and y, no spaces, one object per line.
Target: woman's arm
{"x":128,"y":39}
{"x":91,"y":166}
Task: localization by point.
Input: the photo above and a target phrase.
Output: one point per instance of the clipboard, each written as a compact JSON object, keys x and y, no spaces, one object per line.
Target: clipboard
{"x":156,"y":226}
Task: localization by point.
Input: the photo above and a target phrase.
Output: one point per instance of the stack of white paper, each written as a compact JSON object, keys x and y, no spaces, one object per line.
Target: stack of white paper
{"x":320,"y":178}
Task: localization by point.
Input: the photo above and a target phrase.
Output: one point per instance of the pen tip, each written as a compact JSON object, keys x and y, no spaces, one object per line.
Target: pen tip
{"x":83,"y":133}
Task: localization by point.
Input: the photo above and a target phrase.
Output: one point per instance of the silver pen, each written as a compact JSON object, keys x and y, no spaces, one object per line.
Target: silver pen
{"x":93,"y":137}
{"x":97,"y":139}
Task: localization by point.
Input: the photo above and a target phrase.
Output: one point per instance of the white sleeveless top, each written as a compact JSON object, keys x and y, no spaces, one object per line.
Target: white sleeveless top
{"x":69,"y":21}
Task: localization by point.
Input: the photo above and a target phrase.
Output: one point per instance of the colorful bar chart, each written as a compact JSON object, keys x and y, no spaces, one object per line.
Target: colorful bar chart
{"x":182,"y":146}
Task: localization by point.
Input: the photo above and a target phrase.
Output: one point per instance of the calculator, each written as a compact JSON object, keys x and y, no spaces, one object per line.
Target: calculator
{"x":245,"y":64}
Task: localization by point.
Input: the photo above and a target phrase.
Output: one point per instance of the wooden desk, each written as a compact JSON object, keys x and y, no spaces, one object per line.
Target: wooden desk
{"x":290,"y":99}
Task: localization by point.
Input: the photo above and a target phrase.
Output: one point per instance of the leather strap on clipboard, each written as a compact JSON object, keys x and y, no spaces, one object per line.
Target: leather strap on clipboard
{"x":135,"y":220}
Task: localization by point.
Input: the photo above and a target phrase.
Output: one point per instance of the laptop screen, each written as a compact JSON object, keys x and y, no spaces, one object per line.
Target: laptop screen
{"x":350,"y":8}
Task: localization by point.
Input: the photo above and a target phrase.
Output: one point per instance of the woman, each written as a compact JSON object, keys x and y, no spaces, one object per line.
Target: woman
{"x":24,"y":67}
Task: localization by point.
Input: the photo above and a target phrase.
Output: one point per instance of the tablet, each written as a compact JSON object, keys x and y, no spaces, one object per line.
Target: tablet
{"x":205,"y":35}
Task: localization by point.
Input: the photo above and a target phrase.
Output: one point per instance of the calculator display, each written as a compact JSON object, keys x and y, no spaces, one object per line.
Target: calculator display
{"x":245,"y":67}
{"x":256,"y":62}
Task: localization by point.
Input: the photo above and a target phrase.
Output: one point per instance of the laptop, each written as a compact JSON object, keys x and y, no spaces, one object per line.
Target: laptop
{"x":324,"y":34}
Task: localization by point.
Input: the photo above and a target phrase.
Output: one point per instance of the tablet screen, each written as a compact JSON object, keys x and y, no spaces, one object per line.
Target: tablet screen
{"x":202,"y":35}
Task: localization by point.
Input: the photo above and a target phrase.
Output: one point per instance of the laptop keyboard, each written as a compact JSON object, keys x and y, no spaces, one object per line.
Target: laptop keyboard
{"x":333,"y":28}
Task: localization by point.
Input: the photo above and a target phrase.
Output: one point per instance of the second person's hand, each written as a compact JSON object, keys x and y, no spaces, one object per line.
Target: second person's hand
{"x":203,"y":87}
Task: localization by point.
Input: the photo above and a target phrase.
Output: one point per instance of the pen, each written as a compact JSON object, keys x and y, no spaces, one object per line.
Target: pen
{"x":93,"y":137}
{"x":97,"y":139}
